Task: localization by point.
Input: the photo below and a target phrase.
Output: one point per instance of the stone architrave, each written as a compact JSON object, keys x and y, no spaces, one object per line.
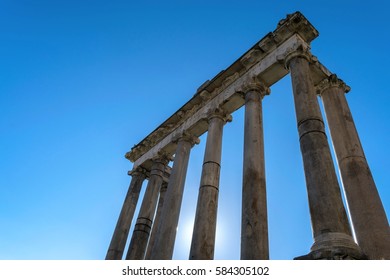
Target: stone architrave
{"x":367,"y":213}
{"x":140,"y":238}
{"x":119,"y":238}
{"x":203,"y":237}
{"x":166,"y":232}
{"x":254,"y":222}
{"x":331,"y":230}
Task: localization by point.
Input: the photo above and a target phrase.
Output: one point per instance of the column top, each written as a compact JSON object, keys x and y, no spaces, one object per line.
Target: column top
{"x":330,"y":82}
{"x":219,"y":113}
{"x":138,"y":171}
{"x":187,"y":137}
{"x":255,"y":84}
{"x":301,"y":51}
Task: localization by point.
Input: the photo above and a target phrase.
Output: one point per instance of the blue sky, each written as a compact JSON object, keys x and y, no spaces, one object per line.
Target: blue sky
{"x":81,"y":82}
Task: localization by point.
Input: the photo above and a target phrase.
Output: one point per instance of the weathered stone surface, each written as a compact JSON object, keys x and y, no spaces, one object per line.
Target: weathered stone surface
{"x":254,"y":222}
{"x":261,"y":60}
{"x":327,"y":212}
{"x":119,"y":238}
{"x":367,"y":213}
{"x":157,"y":220}
{"x":140,"y":238}
{"x":166,"y":232}
{"x":203,"y":238}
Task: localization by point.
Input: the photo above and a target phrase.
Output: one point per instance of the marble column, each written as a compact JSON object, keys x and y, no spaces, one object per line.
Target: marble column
{"x":157,"y":220}
{"x":331,"y":230}
{"x":367,"y":213}
{"x":203,"y":238}
{"x":254,"y":223}
{"x":140,"y":238}
{"x":119,"y":238}
{"x":166,"y":232}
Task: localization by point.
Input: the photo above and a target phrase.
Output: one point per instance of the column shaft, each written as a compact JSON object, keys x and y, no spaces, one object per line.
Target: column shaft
{"x":157,"y":220}
{"x":365,"y":206}
{"x":203,"y":238}
{"x":329,"y":220}
{"x":144,"y":223}
{"x":119,"y":238}
{"x":254,"y":224}
{"x":166,"y":232}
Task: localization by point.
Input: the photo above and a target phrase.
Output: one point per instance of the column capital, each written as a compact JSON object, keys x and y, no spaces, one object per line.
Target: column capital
{"x":162,"y":157}
{"x":301,"y":51}
{"x":138,"y":171}
{"x":330,"y":82}
{"x":219,"y":113}
{"x":187,"y":137}
{"x":256,"y":85}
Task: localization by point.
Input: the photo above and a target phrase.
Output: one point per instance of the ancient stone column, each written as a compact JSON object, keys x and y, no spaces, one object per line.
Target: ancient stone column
{"x":331,"y":230}
{"x":367,"y":213}
{"x":119,"y":238}
{"x":166,"y":232}
{"x":157,"y":220}
{"x":140,"y":238}
{"x":203,"y":238}
{"x":254,"y":224}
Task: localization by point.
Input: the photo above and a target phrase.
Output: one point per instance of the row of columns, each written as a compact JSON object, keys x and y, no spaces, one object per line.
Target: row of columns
{"x":332,"y":232}
{"x":331,"y":229}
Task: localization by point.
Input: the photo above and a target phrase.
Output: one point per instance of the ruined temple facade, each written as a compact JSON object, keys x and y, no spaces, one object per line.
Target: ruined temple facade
{"x":245,"y":83}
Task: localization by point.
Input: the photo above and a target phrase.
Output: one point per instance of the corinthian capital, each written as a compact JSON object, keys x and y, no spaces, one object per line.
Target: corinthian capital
{"x":330,"y":82}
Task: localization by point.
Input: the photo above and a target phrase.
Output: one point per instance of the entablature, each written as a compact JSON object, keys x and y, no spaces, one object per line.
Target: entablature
{"x":264,"y":61}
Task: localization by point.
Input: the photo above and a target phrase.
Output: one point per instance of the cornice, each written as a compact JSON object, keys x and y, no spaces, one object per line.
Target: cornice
{"x":293,"y":24}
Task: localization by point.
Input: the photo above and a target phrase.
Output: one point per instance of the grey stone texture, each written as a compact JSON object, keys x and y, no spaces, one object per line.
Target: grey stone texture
{"x":203,"y":238}
{"x":119,"y":238}
{"x":367,"y":213}
{"x":140,"y":238}
{"x":157,"y":220}
{"x":166,"y":232}
{"x":327,"y":211}
{"x":254,"y":221}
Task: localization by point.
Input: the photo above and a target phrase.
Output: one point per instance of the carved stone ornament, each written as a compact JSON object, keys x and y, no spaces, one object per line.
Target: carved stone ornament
{"x":301,"y":51}
{"x":230,"y":79}
{"x":205,"y":95}
{"x":138,"y":171}
{"x":332,"y":81}
{"x":255,"y":84}
{"x":219,"y":113}
{"x":185,"y":136}
{"x":162,"y":157}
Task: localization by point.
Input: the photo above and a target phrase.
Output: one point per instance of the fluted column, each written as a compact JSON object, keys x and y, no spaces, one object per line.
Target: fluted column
{"x":157,"y":220}
{"x":367,"y":213}
{"x":203,"y":238}
{"x":119,"y":238}
{"x":144,"y":223}
{"x":331,"y":230}
{"x":166,"y":232}
{"x":254,"y":223}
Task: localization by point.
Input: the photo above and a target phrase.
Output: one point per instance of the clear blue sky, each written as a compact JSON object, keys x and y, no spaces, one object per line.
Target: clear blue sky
{"x":81,"y":82}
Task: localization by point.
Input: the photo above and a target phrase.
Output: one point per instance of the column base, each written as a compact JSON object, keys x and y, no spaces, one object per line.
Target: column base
{"x":334,"y":246}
